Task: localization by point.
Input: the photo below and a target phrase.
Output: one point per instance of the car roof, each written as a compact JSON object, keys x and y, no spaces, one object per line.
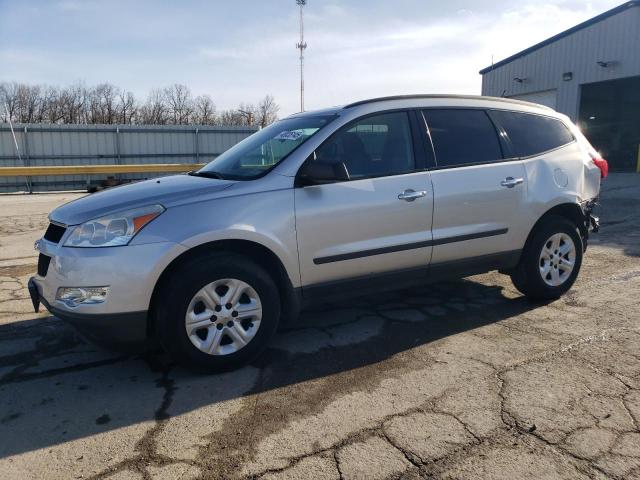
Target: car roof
{"x":457,"y":98}
{"x":431,"y":100}
{"x":320,"y":112}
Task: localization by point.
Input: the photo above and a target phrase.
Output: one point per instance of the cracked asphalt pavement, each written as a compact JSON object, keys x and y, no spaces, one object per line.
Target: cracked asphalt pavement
{"x":459,"y":380}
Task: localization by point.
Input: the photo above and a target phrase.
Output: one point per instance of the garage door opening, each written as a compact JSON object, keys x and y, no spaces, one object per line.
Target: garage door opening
{"x":610,"y":119}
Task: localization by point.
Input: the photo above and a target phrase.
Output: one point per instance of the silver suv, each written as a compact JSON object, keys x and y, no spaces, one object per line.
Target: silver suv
{"x":378,"y":194}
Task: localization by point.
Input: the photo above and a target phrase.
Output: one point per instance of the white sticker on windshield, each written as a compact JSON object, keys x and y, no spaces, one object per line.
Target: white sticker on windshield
{"x":288,"y":135}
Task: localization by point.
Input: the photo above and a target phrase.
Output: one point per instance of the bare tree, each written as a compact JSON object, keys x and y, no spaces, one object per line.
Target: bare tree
{"x":73,"y":101}
{"x":28,"y":102}
{"x":3,"y":102}
{"x":267,"y":111}
{"x":106,"y":103}
{"x":247,"y":114}
{"x":204,"y":110}
{"x":40,"y":114}
{"x":231,"y":117}
{"x":52,"y":105}
{"x":102,"y":104}
{"x":179,"y":103}
{"x":127,"y":108}
{"x":154,"y":111}
{"x":9,"y":96}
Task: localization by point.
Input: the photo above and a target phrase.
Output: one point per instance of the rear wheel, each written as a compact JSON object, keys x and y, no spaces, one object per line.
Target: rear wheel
{"x":217,"y":312}
{"x":550,"y":261}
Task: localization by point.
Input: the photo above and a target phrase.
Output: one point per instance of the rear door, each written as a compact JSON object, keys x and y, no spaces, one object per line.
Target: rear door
{"x":378,"y":221}
{"x":479,"y":192}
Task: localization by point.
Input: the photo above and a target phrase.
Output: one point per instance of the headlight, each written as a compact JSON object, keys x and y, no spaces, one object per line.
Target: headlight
{"x":113,"y":230}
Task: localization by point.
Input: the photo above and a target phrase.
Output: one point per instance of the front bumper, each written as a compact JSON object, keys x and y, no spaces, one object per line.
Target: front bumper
{"x":131,"y":273}
{"x":113,"y":330}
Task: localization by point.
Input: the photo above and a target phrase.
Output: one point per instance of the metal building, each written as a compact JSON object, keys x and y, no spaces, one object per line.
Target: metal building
{"x":44,"y":145}
{"x":590,"y":72}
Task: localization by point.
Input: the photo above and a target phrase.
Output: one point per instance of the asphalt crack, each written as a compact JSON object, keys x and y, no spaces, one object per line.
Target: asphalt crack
{"x":147,"y":447}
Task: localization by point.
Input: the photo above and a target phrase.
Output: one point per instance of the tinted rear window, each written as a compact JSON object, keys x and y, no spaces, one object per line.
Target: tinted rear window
{"x":462,"y":137}
{"x":533,"y":134}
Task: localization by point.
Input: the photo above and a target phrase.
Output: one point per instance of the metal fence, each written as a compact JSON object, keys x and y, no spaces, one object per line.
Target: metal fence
{"x":49,"y":145}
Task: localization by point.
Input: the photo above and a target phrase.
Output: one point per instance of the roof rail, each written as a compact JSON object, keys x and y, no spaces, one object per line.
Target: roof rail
{"x":466,"y":97}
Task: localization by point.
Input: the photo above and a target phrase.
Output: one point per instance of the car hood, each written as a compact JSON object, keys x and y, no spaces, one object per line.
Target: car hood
{"x":164,"y":191}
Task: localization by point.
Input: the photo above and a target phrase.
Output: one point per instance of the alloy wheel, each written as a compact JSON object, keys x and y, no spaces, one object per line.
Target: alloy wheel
{"x":557,"y":259}
{"x":223,"y":316}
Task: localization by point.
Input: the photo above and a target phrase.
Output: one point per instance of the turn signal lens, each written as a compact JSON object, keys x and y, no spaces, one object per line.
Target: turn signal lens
{"x":141,"y":221}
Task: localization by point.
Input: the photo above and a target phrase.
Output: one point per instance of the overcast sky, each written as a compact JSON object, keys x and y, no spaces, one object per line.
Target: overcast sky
{"x":238,"y":51}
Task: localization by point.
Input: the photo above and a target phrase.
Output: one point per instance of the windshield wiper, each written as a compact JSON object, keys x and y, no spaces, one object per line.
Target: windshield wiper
{"x":207,"y":174}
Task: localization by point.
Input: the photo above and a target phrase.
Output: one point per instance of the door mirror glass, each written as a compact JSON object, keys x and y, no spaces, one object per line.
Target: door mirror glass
{"x":319,"y":171}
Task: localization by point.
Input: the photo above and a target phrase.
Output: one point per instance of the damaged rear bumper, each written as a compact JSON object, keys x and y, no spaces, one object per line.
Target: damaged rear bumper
{"x":591,"y":223}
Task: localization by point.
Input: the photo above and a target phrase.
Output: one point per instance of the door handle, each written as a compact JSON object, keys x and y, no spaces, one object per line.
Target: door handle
{"x":511,"y":182}
{"x":410,"y":195}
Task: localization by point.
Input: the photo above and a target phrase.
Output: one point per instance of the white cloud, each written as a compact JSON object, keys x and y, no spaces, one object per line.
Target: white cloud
{"x":240,"y":52}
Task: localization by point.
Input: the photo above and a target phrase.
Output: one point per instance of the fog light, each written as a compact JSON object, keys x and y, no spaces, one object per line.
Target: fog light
{"x":74,"y":296}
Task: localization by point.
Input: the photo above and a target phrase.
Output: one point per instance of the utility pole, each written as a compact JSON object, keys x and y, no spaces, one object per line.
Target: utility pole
{"x":301,"y":46}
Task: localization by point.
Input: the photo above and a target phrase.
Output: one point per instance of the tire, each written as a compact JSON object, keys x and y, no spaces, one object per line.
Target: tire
{"x":545,"y":275}
{"x":197,"y":289}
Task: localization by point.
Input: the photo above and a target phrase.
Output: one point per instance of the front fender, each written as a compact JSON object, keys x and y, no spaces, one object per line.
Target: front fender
{"x":244,"y":232}
{"x":265,"y":218}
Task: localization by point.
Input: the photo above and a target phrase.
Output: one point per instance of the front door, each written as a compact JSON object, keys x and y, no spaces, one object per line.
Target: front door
{"x":377,"y":221}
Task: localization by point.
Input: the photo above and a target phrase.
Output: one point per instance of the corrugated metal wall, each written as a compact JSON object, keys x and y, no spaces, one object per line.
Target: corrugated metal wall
{"x":48,"y":145}
{"x":616,"y":39}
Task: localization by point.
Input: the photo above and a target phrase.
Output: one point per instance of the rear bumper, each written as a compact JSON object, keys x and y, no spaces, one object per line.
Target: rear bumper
{"x":594,"y":223}
{"x":114,"y":330}
{"x":591,"y":223}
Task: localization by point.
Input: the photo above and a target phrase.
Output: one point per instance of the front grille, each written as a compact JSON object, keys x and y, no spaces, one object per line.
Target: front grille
{"x":43,"y":265}
{"x":54,"y":233}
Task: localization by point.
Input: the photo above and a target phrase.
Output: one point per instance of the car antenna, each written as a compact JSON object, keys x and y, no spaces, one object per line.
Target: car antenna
{"x":15,"y":142}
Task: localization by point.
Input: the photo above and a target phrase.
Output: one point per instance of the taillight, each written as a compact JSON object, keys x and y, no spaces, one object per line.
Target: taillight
{"x":602,"y":164}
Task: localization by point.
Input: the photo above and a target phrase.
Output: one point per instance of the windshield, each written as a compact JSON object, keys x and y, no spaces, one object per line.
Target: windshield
{"x":257,"y":154}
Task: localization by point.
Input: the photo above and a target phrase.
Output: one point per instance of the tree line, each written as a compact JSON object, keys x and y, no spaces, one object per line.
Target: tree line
{"x":107,"y":104}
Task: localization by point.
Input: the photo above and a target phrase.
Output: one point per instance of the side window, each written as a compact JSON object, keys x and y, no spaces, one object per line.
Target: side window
{"x":532,"y":134}
{"x":462,"y":137}
{"x":378,"y":145}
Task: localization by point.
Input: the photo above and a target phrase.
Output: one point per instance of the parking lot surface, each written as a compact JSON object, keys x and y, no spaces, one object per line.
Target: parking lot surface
{"x":459,"y":380}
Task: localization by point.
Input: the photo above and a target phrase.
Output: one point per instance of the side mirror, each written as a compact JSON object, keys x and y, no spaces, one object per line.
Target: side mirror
{"x":318,"y":172}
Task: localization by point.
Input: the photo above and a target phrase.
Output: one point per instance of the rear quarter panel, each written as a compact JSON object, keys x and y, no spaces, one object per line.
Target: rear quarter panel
{"x":563,"y":175}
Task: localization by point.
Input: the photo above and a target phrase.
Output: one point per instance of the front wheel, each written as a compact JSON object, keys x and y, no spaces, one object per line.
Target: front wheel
{"x":550,"y":261}
{"x":217,"y":312}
